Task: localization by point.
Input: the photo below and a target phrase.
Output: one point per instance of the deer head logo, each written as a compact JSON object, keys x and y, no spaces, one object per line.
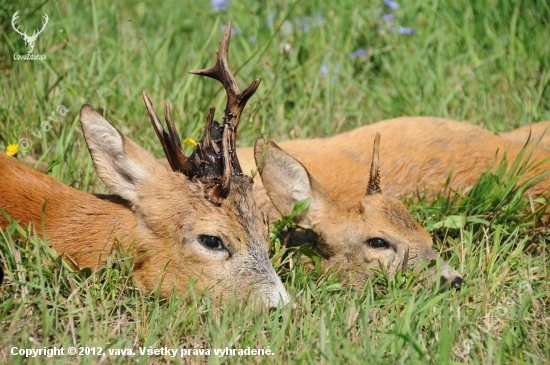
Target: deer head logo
{"x":29,"y":40}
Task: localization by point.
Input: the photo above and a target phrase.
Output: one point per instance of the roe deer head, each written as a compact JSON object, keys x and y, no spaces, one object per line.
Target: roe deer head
{"x":377,"y":230}
{"x":196,"y":222}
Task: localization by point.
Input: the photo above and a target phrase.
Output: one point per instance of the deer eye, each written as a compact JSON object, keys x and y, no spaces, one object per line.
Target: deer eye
{"x":211,"y":242}
{"x":377,"y":243}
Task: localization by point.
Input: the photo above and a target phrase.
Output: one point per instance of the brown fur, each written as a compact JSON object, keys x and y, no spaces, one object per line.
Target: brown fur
{"x":418,"y":153}
{"x":342,"y":233}
{"x":163,"y":211}
{"x":24,"y":193}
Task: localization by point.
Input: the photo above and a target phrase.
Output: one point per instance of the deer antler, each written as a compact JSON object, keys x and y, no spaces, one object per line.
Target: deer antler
{"x":205,"y":163}
{"x":374,"y":180}
{"x":13,"y":19}
{"x":171,"y":144}
{"x":236,"y":101}
{"x":214,"y":159}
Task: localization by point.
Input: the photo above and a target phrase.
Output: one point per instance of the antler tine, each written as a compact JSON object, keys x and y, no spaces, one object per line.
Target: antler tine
{"x":159,"y":129}
{"x":207,"y":138}
{"x":374,"y":180}
{"x":227,"y":171}
{"x":181,"y":160}
{"x":236,"y":101}
{"x":170,"y":143}
{"x":220,"y":71}
{"x":174,"y":135}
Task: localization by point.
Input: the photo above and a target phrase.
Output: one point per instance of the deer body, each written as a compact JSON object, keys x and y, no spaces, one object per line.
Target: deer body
{"x":419,"y":154}
{"x":356,"y":231}
{"x":25,"y":193}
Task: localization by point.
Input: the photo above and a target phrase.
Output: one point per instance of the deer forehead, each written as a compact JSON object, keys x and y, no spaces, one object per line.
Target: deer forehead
{"x":389,"y":215}
{"x":240,"y":208}
{"x":174,"y":203}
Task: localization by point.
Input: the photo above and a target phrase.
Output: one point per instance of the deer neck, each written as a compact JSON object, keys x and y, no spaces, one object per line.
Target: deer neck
{"x":78,"y":224}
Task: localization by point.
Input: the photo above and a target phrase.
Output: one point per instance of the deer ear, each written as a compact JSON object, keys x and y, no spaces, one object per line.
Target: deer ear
{"x":287,"y":182}
{"x":120,"y":163}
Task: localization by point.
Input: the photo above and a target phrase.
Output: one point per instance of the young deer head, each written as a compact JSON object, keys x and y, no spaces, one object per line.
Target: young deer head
{"x":377,"y":231}
{"x":198,"y":221}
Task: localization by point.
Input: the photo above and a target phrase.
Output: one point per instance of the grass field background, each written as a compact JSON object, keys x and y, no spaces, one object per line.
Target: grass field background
{"x":326,"y":67}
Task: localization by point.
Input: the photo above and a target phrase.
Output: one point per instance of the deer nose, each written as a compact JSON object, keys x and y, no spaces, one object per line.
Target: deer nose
{"x":457,"y":283}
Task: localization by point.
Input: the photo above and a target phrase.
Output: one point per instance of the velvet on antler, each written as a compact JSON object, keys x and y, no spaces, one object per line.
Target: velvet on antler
{"x":236,"y":101}
{"x":214,"y":159}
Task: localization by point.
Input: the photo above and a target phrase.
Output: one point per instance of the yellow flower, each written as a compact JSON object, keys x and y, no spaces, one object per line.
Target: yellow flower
{"x":190,"y":142}
{"x":12,"y":149}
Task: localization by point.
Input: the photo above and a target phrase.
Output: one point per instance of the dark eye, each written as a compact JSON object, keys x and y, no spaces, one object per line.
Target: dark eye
{"x":211,"y":242}
{"x":377,"y":243}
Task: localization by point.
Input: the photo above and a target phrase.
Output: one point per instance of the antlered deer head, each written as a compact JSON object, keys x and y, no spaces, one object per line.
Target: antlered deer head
{"x":29,"y":40}
{"x":377,"y":231}
{"x":211,"y":207}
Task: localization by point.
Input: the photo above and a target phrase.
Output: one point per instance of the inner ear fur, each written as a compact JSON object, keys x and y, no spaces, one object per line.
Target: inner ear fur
{"x":120,"y":163}
{"x":287,"y":182}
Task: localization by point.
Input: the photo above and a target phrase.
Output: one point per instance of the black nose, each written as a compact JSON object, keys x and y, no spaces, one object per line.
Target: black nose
{"x":457,"y":283}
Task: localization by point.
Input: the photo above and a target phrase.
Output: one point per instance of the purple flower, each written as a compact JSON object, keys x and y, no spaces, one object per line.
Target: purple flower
{"x":252,"y":39}
{"x":391,"y":4}
{"x":388,"y":18}
{"x":304,"y":25}
{"x":405,"y":30}
{"x":360,"y":52}
{"x":219,"y":5}
{"x":307,"y":23}
{"x":324,"y":69}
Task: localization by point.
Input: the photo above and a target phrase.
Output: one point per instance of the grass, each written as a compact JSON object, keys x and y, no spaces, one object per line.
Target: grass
{"x":485,"y":62}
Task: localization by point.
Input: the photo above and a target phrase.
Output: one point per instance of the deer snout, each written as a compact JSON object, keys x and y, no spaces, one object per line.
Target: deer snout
{"x":276,"y":294}
{"x":266,"y":282}
{"x":456,"y":281}
{"x":448,"y":277}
